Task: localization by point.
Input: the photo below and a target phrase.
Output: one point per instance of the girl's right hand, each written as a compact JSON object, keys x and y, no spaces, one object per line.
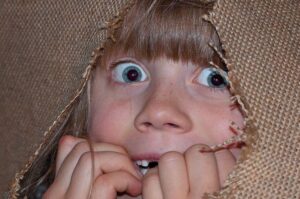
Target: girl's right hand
{"x":114,"y":171}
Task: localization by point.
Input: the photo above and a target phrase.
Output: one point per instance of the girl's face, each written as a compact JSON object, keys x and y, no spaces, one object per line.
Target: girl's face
{"x":152,"y":107}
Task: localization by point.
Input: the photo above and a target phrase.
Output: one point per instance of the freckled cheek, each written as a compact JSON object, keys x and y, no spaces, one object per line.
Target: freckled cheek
{"x":214,"y":120}
{"x":226,"y":117}
{"x":110,"y":122}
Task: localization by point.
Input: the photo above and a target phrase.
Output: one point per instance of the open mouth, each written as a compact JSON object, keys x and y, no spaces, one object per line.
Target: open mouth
{"x":145,"y":165}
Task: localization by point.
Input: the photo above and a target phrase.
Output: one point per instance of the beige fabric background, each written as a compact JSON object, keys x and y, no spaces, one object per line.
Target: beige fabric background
{"x":262,"y":42}
{"x":44,"y":48}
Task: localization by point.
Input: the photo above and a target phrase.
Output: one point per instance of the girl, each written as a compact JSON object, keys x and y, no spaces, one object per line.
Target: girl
{"x":153,"y":100}
{"x":157,"y":100}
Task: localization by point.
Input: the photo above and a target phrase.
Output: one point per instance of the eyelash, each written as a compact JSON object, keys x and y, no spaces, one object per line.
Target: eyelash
{"x":212,"y":89}
{"x":113,"y":64}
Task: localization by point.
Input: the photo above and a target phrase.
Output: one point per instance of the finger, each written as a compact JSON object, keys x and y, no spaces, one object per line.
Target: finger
{"x":173,"y":176}
{"x":64,"y":174}
{"x":109,"y":185}
{"x":225,"y":163}
{"x":151,"y":185}
{"x":81,"y":147}
{"x":65,"y":146}
{"x":61,"y":182}
{"x":105,"y":162}
{"x":72,"y":148}
{"x":202,"y":171}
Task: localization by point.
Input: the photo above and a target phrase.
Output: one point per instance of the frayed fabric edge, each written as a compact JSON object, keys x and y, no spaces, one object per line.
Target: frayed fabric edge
{"x":96,"y":54}
{"x":15,"y":187}
{"x":249,"y":134}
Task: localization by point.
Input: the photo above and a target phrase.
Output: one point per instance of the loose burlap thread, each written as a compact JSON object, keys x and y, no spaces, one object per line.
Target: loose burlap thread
{"x":44,"y":50}
{"x":261,"y":40}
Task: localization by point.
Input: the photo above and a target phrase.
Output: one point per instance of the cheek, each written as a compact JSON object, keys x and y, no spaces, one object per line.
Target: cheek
{"x":109,"y":120}
{"x":214,"y":120}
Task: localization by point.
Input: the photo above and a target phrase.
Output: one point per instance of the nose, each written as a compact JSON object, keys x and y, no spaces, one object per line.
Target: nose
{"x":162,"y":114}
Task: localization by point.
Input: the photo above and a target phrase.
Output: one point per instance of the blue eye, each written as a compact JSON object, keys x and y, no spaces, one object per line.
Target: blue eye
{"x":213,"y":77}
{"x":128,"y":72}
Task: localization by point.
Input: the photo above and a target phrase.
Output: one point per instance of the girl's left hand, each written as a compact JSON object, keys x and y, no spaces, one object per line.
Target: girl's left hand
{"x":188,"y":175}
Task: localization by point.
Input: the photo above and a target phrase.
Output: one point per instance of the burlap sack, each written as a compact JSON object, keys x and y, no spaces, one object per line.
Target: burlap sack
{"x":46,"y":45}
{"x":44,"y":49}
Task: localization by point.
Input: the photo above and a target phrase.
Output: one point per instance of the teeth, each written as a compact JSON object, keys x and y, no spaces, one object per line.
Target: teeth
{"x":145,"y":163}
{"x":139,"y":162}
{"x":144,"y":171}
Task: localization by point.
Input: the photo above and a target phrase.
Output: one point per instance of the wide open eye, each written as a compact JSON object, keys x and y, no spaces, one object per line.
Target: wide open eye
{"x":128,"y":72}
{"x":213,"y":77}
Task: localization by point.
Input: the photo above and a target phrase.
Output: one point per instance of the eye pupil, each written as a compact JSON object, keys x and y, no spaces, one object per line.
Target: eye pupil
{"x":214,"y":78}
{"x":217,"y":80}
{"x":132,"y":75}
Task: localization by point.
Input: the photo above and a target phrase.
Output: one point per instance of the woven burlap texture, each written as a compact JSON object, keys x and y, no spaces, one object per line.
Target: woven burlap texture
{"x":261,"y":40}
{"x":45,"y":47}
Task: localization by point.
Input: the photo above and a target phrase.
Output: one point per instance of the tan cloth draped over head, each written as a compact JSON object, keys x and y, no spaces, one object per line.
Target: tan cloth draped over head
{"x":45,"y":47}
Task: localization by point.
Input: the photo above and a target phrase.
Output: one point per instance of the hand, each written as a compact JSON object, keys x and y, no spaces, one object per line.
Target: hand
{"x":114,"y":171}
{"x":188,"y":175}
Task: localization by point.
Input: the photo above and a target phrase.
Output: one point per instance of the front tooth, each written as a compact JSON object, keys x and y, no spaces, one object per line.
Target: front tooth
{"x":145,"y":163}
{"x":139,"y":162}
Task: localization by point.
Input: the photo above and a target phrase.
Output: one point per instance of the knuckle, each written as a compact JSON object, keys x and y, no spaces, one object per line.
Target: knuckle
{"x":80,"y":147}
{"x":65,"y":141}
{"x":85,"y":160}
{"x":104,"y":182}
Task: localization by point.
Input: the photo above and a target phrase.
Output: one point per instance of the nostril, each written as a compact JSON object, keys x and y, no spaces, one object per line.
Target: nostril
{"x":147,"y":124}
{"x":172,"y":125}
{"x":168,"y":125}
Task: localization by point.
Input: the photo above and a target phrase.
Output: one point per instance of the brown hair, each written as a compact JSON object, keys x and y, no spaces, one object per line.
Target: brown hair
{"x":171,"y":28}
